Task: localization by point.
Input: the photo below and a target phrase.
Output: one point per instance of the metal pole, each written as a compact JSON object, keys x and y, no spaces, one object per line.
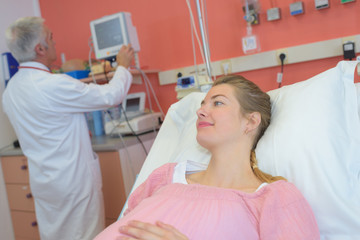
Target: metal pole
{"x":205,"y":44}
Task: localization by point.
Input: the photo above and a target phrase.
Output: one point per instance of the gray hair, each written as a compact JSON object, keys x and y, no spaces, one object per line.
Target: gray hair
{"x":23,"y":35}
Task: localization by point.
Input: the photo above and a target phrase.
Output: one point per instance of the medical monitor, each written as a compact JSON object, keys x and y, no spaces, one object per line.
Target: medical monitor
{"x":110,"y":33}
{"x":134,"y":104}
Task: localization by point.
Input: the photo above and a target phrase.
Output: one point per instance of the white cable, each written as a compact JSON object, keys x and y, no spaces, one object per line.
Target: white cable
{"x":90,"y":63}
{"x":196,"y":34}
{"x":147,"y":92}
{"x":122,"y":140}
{"x":206,"y":31}
{"x":194,"y":50}
{"x":148,"y":83}
{"x":110,"y":117}
{"x":146,"y":79}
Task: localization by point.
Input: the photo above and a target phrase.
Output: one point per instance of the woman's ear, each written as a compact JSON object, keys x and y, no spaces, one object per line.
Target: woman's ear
{"x":254,"y":120}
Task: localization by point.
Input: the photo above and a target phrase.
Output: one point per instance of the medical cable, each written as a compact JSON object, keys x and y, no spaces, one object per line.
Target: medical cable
{"x":90,"y":43}
{"x":195,"y":30}
{"x":147,"y":86}
{"x":205,"y":22}
{"x":205,"y":40}
{"x":148,"y":83}
{"x":204,"y":9}
{"x":105,"y":73}
{"x":122,"y":141}
{"x":133,"y":132}
{"x":282,"y":57}
{"x":146,"y":80}
{"x":194,"y":52}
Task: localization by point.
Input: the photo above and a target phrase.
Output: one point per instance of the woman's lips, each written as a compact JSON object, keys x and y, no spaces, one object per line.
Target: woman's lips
{"x":204,"y":124}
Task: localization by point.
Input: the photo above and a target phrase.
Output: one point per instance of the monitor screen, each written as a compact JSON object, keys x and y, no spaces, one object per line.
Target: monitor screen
{"x":133,"y":104}
{"x":111,"y":32}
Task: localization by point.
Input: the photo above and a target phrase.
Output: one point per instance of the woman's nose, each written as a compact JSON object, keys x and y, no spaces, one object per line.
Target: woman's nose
{"x":201,"y":112}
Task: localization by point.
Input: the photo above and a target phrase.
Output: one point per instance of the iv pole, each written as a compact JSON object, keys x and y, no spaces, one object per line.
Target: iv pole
{"x":204,"y":41}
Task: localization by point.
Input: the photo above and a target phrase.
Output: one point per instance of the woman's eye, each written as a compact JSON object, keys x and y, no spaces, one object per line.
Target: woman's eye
{"x":217,"y":103}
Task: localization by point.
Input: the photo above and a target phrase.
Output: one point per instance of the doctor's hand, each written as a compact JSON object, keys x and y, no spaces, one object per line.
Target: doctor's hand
{"x":125,"y":56}
{"x":146,"y":231}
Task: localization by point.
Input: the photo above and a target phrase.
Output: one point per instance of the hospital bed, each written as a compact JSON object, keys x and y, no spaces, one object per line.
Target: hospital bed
{"x":313,"y":141}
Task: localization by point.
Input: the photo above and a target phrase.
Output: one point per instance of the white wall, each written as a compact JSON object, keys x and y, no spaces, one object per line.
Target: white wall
{"x":10,"y":10}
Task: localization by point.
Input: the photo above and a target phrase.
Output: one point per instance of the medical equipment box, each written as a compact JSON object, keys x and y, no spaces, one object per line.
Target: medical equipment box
{"x":137,"y":125}
{"x":79,"y":74}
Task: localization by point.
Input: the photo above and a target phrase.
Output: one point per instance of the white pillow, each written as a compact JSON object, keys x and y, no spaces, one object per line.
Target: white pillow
{"x":314,"y":142}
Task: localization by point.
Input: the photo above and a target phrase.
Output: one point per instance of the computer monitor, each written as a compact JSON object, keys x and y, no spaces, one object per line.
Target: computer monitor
{"x":110,"y":33}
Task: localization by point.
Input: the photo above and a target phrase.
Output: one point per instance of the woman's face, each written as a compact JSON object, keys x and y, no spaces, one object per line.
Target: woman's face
{"x":220,"y":120}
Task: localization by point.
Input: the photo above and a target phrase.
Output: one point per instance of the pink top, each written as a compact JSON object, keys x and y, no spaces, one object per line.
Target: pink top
{"x":276,"y":211}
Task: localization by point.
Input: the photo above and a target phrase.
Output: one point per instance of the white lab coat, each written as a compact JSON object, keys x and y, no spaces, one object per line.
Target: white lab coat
{"x":47,"y":113}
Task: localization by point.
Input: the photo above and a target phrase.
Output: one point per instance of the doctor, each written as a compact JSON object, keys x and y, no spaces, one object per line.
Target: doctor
{"x":47,"y":113}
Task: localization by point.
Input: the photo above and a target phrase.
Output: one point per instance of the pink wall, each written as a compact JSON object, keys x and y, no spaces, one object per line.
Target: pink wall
{"x":164,"y":33}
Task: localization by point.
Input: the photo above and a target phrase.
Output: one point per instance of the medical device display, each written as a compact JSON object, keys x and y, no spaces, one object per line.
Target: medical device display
{"x":111,"y":32}
{"x":134,"y":105}
{"x":136,"y":120}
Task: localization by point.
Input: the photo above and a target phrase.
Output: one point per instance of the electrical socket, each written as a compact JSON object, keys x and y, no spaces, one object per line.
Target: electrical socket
{"x":273,"y":14}
{"x":296,"y":8}
{"x":280,"y":51}
{"x":226,"y":67}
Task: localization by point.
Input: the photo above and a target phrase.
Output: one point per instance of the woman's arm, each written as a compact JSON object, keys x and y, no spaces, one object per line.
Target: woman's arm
{"x":157,"y":179}
{"x":137,"y":230}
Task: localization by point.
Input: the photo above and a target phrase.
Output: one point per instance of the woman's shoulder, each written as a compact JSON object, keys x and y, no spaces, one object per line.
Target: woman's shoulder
{"x":282,"y":193}
{"x":286,"y":214}
{"x":165,"y":171}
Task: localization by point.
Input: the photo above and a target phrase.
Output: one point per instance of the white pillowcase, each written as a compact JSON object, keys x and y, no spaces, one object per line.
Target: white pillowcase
{"x":313,"y":141}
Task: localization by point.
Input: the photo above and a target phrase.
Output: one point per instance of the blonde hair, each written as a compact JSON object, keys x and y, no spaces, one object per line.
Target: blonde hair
{"x":252,"y":99}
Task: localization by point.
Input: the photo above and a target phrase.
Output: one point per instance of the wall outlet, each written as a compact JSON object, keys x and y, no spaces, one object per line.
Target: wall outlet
{"x":321,"y":4}
{"x":296,"y":8}
{"x":280,"y":51}
{"x":226,"y":67}
{"x":348,"y":39}
{"x":273,"y":14}
{"x":347,"y":1}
